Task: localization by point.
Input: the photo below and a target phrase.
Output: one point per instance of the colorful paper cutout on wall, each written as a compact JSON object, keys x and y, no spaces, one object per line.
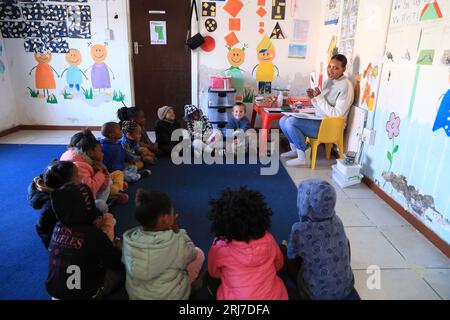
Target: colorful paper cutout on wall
{"x":426,"y":57}
{"x":233,"y":7}
{"x":332,"y":48}
{"x":431,"y":11}
{"x":261,"y":12}
{"x":74,"y":77}
{"x":13,"y":29}
{"x":99,"y":70}
{"x":80,"y":31}
{"x":80,"y":13}
{"x":44,"y":75}
{"x":211,"y":25}
{"x":235,"y":24}
{"x":265,"y":70}
{"x":393,"y":131}
{"x":209,"y":9}
{"x":446,"y":58}
{"x":277,"y":33}
{"x":261,"y":3}
{"x":278,"y":9}
{"x":55,"y":12}
{"x":9,"y":11}
{"x":443,"y":116}
{"x":236,"y":58}
{"x":231,"y":39}
{"x":209,"y":44}
{"x":34,"y":11}
{"x":55,"y":45}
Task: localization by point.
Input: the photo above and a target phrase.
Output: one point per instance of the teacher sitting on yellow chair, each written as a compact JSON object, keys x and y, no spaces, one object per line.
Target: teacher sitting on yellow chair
{"x":265,"y":70}
{"x":333,"y":101}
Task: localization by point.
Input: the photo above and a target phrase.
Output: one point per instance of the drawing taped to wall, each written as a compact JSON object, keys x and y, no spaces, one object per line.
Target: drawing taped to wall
{"x":422,"y":206}
{"x":431,"y":11}
{"x":370,"y":82}
{"x":332,"y":48}
{"x":265,"y":69}
{"x":332,"y":12}
{"x":446,"y":58}
{"x":426,"y":57}
{"x":236,"y":58}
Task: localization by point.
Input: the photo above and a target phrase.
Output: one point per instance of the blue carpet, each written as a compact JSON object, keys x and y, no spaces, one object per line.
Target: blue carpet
{"x":23,"y":259}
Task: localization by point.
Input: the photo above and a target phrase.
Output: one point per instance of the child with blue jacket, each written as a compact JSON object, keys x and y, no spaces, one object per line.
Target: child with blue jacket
{"x":115,"y":157}
{"x":319,"y":240}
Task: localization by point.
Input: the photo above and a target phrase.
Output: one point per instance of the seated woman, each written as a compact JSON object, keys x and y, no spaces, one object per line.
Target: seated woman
{"x":333,"y":101}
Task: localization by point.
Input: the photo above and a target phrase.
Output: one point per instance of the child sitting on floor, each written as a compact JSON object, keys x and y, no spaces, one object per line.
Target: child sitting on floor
{"x":130,"y":142}
{"x":164,"y":128}
{"x":203,"y":136}
{"x":244,"y":254}
{"x":160,"y":259}
{"x":238,"y":125}
{"x":148,"y":148}
{"x":320,"y":242}
{"x":115,"y":158}
{"x":57,"y":174}
{"x":78,"y":247}
{"x":86,"y":153}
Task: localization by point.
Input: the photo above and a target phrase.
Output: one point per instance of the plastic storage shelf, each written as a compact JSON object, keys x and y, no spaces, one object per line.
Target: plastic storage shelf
{"x":220,"y":107}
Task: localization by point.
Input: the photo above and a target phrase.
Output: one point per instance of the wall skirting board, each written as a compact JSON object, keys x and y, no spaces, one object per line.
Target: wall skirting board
{"x":43,"y":127}
{"x":417,"y":224}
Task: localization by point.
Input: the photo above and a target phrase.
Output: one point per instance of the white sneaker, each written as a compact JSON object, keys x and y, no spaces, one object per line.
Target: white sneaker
{"x":290,"y":154}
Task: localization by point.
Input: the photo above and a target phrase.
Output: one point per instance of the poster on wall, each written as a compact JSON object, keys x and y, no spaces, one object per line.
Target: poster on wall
{"x":333,"y":9}
{"x":297,"y":51}
{"x":348,"y":30}
{"x":158,"y":35}
{"x":300,"y":31}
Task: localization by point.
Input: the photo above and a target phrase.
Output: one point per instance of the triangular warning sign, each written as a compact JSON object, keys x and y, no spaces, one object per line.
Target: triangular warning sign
{"x":277,"y":33}
{"x":431,"y":11}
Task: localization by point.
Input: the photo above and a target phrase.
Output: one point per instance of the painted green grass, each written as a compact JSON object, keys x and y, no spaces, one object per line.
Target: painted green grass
{"x":118,"y":96}
{"x":88,"y":95}
{"x":248,"y":95}
{"x":33,"y":93}
{"x":52,"y":99}
{"x":66,"y":95}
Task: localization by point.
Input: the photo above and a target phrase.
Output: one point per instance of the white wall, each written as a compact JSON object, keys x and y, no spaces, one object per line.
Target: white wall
{"x":78,"y":111}
{"x":294,"y":73}
{"x":8,"y":109}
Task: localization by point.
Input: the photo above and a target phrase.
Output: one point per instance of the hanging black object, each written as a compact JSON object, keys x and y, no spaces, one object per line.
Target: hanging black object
{"x":193,"y":42}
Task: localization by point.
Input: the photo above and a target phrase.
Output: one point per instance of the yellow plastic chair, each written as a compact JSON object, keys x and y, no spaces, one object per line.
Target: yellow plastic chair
{"x":331,"y":132}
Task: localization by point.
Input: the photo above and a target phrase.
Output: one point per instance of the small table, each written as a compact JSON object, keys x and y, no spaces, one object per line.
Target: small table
{"x":268,"y":118}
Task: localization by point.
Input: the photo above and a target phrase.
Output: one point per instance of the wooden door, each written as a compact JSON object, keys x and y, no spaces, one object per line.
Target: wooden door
{"x":162,"y":73}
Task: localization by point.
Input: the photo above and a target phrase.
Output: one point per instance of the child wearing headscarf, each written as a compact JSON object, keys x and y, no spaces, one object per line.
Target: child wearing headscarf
{"x":320,"y":241}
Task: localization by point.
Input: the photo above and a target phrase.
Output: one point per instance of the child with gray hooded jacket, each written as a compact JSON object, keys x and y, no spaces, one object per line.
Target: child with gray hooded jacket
{"x":160,"y":259}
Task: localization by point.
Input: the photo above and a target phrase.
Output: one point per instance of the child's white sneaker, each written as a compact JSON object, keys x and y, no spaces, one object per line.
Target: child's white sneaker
{"x":290,"y":154}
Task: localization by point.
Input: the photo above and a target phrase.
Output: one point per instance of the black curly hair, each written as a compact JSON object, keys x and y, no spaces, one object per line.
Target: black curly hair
{"x":128,"y":114}
{"x":240,"y":215}
{"x":58,"y":173}
{"x":84,"y":140}
{"x":150,"y":205}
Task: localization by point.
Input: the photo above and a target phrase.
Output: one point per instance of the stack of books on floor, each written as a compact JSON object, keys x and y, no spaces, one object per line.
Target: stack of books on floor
{"x":346,"y":175}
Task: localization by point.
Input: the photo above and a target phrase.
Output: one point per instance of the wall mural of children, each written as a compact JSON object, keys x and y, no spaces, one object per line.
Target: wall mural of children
{"x":74,"y":76}
{"x":100,"y":71}
{"x":44,"y":78}
{"x":236,"y":58}
{"x":265,"y":70}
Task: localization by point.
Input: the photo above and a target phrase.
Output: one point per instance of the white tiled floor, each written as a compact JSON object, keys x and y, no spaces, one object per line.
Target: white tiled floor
{"x":410,"y":266}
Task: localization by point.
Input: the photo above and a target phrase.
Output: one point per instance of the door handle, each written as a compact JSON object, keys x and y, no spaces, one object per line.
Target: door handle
{"x":136,"y":47}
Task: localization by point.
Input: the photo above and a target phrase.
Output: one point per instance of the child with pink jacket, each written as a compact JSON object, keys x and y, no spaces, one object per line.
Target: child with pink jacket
{"x":86,"y":153}
{"x":245,"y":256}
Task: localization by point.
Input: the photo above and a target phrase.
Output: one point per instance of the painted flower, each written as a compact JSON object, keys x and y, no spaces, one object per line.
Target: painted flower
{"x":393,"y":126}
